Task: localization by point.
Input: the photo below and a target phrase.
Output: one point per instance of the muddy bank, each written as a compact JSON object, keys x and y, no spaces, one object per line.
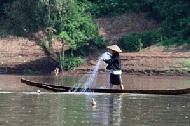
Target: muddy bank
{"x":22,"y":55}
{"x":151,"y":61}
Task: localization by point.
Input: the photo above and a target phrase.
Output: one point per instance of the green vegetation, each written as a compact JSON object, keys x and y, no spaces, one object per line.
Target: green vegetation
{"x":69,"y":63}
{"x":65,"y":16}
{"x":173,"y":15}
{"x":137,"y":41}
{"x":73,"y":23}
{"x":68,"y":17}
{"x":131,"y":43}
{"x":72,"y":62}
{"x":186,"y":63}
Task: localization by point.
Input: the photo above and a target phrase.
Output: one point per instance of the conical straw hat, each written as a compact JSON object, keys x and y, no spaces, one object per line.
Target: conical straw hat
{"x":114,"y":48}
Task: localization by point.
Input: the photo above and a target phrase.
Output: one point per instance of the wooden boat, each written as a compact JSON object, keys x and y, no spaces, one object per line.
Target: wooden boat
{"x":57,"y":88}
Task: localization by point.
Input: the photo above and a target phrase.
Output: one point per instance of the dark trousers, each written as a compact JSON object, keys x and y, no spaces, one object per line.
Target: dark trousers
{"x":115,"y":79}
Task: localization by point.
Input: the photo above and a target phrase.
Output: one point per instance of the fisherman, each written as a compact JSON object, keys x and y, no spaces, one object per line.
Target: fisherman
{"x":114,"y":65}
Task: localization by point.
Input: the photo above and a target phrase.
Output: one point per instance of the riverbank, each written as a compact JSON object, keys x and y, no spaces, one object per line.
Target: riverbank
{"x":21,"y":55}
{"x":155,"y":60}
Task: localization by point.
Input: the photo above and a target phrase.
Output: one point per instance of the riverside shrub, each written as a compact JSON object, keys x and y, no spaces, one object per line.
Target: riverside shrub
{"x":173,"y":15}
{"x":131,"y":43}
{"x":67,"y":16}
{"x":137,"y":41}
{"x":71,"y":62}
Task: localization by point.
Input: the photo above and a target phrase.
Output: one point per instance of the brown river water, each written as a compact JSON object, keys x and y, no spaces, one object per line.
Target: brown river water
{"x":21,"y":105}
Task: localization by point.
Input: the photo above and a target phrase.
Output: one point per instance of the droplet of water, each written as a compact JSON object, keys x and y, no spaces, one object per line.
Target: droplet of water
{"x":183,"y":106}
{"x":13,"y":117}
{"x":90,"y":80}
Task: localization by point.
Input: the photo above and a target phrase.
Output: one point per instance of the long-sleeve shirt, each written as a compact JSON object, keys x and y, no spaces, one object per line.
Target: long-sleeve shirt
{"x":113,"y":63}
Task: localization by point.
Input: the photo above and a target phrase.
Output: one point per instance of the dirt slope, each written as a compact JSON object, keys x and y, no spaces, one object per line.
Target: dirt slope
{"x":113,"y":28}
{"x":21,"y":54}
{"x":150,"y":61}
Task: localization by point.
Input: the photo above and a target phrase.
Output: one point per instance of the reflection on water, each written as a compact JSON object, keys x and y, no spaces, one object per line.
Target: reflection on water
{"x":12,"y":82}
{"x":21,"y":105}
{"x":58,"y":109}
{"x":129,"y":81}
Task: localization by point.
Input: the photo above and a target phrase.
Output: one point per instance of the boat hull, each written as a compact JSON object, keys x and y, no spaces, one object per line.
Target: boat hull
{"x":56,"y":88}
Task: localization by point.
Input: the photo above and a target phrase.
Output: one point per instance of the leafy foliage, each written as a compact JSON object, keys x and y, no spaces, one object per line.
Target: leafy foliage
{"x":173,"y":15}
{"x":68,"y":17}
{"x":69,"y":63}
{"x":137,"y":41}
{"x":131,"y":43}
{"x":72,"y":20}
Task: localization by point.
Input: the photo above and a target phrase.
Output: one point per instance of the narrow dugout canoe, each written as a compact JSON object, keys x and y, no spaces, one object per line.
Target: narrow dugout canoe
{"x":56,"y":88}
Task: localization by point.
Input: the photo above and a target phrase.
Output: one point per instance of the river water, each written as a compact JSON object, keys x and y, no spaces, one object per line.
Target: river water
{"x":21,"y":105}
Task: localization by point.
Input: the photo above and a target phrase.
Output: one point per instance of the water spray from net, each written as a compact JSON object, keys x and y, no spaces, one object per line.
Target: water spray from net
{"x":88,"y":81}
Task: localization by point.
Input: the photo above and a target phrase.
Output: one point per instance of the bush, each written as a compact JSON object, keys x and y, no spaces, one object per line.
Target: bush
{"x":71,"y":62}
{"x":151,"y":37}
{"x":113,"y":7}
{"x":69,"y":18}
{"x":173,"y":15}
{"x":170,"y":41}
{"x":136,"y":41}
{"x":131,"y":43}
